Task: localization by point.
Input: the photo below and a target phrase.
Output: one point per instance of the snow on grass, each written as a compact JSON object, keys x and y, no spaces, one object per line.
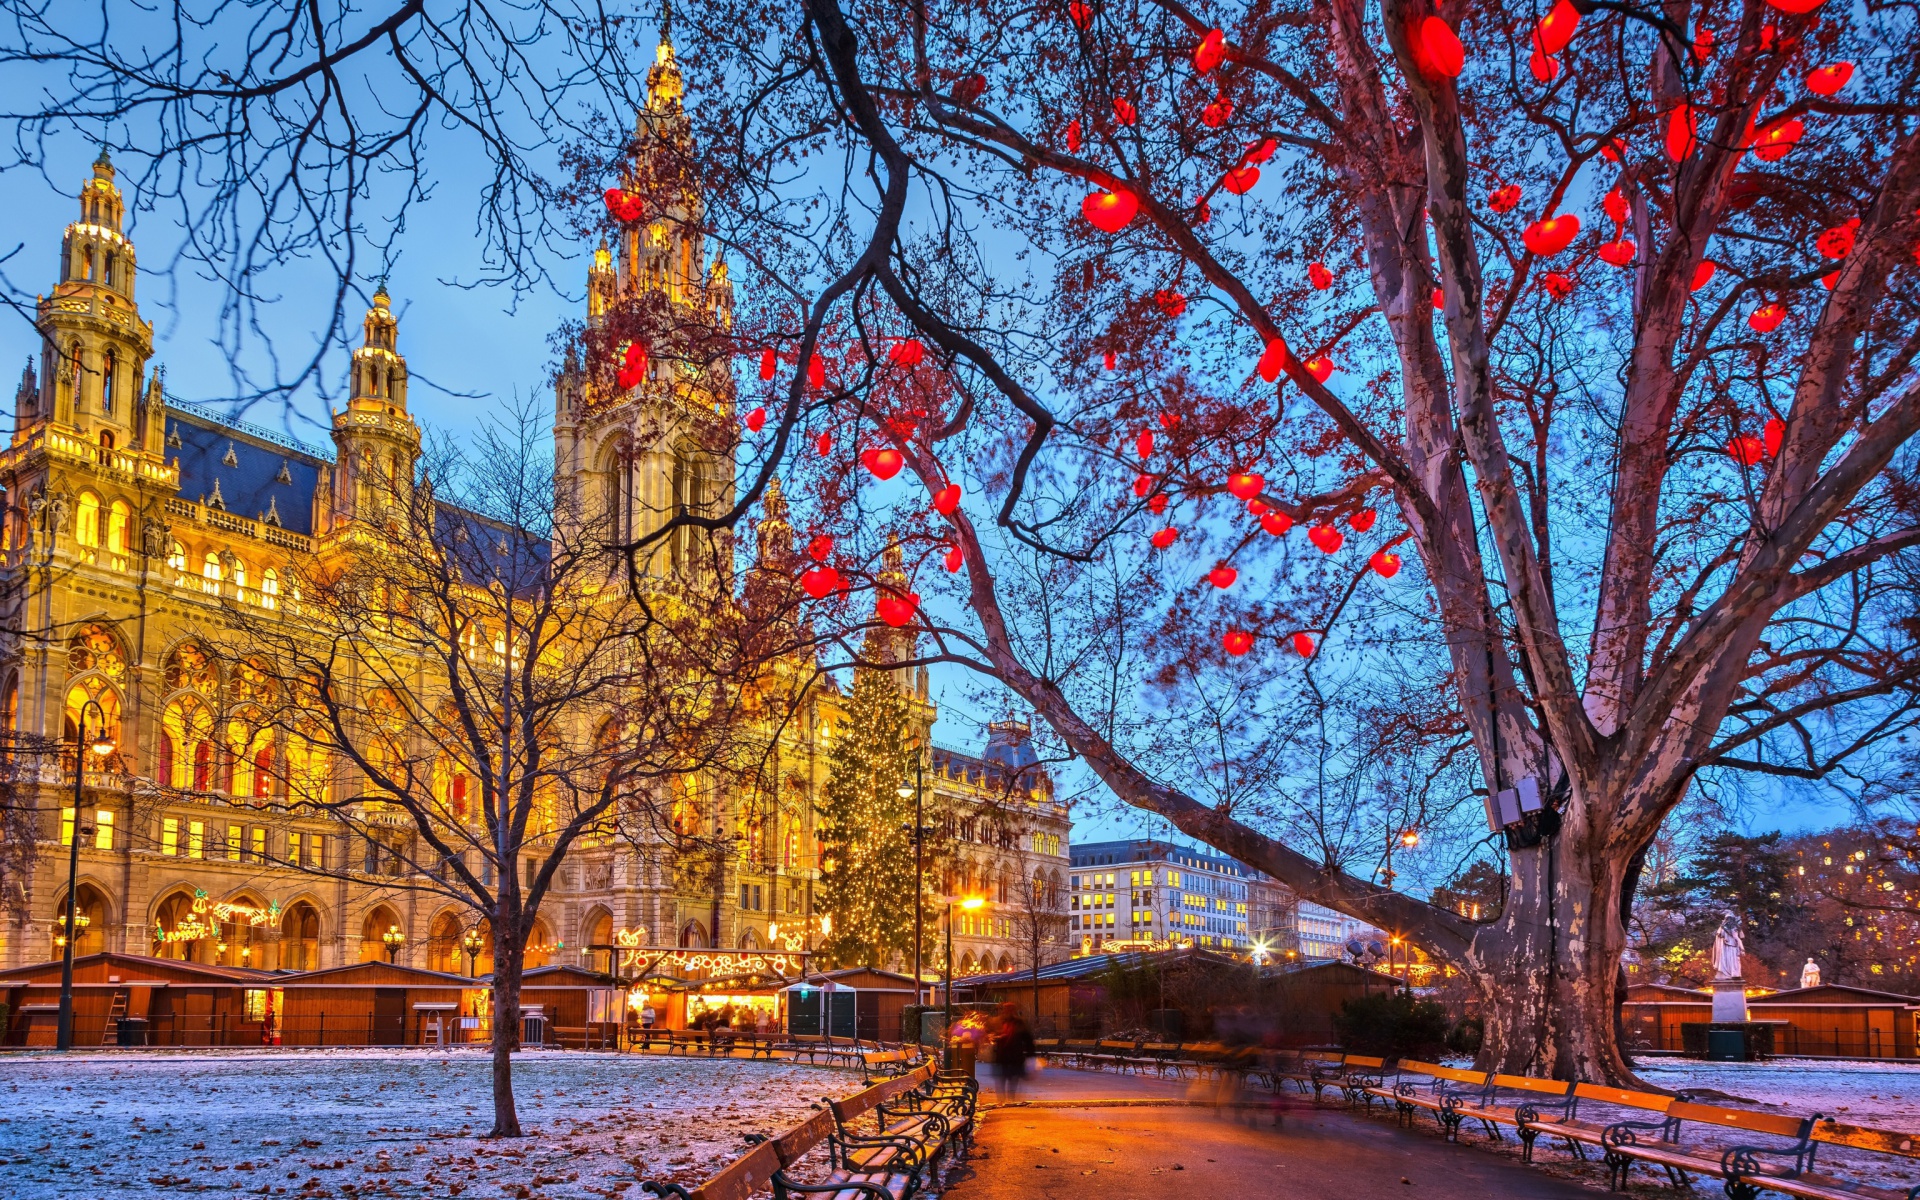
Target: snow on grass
{"x":357,"y":1123}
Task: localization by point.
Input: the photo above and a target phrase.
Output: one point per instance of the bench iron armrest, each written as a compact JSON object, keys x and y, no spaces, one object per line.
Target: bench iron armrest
{"x":663,"y":1190}
{"x":1621,"y":1133}
{"x":811,"y":1189}
{"x":1741,"y":1161}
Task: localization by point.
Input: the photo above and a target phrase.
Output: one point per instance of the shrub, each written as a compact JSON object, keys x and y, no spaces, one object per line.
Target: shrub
{"x":1465,"y":1036}
{"x":1393,"y":1025}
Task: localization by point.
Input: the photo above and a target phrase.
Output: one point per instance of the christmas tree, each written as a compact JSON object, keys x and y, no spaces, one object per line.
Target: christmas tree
{"x":867,"y":876}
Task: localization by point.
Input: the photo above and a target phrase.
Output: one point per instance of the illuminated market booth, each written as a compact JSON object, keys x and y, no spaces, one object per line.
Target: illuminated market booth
{"x":167,"y":1002}
{"x":695,"y":987}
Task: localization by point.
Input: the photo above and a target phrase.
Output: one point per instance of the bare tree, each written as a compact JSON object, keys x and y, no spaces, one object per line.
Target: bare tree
{"x":467,"y":686}
{"x":1038,"y":916}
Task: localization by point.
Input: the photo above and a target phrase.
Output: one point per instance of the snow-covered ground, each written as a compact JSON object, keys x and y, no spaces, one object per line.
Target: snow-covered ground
{"x":357,"y":1123}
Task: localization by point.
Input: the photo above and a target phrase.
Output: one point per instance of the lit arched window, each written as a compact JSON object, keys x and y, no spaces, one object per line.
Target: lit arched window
{"x":86,"y":521}
{"x":210,"y":572}
{"x":270,"y":588}
{"x":107,"y":372}
{"x":118,"y":514}
{"x":177,"y":561}
{"x":240,"y":572}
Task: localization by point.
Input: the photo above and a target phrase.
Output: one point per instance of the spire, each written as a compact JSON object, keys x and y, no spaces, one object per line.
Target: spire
{"x":774,"y":536}
{"x":664,"y":86}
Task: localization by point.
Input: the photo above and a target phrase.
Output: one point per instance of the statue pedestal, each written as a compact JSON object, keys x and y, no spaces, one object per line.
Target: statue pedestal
{"x":1729,"y":1001}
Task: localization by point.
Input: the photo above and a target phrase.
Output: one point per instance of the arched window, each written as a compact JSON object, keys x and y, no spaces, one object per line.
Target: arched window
{"x":210,"y":572}
{"x":444,"y":952}
{"x":86,"y":521}
{"x":616,"y":468}
{"x":250,"y":750}
{"x":96,"y":648}
{"x":188,"y":668}
{"x":186,"y":742}
{"x":107,"y":372}
{"x":309,"y":770}
{"x":118,"y":516}
{"x":300,"y":938}
{"x":540,"y":945}
{"x":177,"y":561}
{"x":106,"y":719}
{"x":270,"y":588}
{"x":90,"y":923}
{"x":9,"y":714}
{"x":239,"y":574}
{"x":373,"y":946}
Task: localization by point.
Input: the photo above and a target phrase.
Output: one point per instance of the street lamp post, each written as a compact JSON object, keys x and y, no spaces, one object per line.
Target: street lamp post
{"x":394,"y":940}
{"x":101,"y":745}
{"x":971,"y":904}
{"x":917,"y":789}
{"x":470,"y":942}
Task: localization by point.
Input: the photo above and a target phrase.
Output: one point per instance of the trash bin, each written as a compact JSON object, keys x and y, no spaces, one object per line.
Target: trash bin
{"x":966,"y":1057}
{"x":1727,"y":1045}
{"x":132,"y":1031}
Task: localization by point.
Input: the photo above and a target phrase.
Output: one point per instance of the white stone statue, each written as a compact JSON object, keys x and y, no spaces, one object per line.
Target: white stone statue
{"x":1728,"y":945}
{"x":1810,"y":974}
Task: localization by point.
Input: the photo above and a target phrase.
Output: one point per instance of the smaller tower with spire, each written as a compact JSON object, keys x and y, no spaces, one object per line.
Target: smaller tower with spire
{"x":378,"y":443}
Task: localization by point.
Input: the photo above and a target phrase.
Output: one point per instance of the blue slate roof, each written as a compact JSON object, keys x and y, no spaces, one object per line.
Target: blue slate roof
{"x":256,"y":477}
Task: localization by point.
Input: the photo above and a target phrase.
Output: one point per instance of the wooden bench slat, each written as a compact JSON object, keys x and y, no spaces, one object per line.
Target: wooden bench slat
{"x":1527,"y":1083}
{"x":1861,"y":1138}
{"x":1738,"y":1118}
{"x":1651,"y":1101}
{"x":743,"y":1176}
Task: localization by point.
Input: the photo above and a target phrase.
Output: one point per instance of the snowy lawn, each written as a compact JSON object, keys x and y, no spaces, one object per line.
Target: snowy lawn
{"x":356,"y":1123}
{"x":1877,"y":1095}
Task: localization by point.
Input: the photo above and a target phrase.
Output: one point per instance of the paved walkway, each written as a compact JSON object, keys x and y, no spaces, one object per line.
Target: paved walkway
{"x":1078,"y":1135}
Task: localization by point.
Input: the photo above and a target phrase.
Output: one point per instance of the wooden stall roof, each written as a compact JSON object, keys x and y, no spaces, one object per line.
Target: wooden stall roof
{"x":560,"y":975}
{"x":1837,"y":993}
{"x":374,"y":974}
{"x":100,"y":970}
{"x":860,"y":979}
{"x":1666,"y":993}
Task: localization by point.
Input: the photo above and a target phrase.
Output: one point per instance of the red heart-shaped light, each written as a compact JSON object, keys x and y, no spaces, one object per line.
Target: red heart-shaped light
{"x":1320,"y":367}
{"x":1703,"y":274}
{"x":1276,"y":523}
{"x":1142,"y":484}
{"x":1211,"y":52}
{"x":1441,"y":51}
{"x":757,"y":420}
{"x":1218,"y":113}
{"x":1240,"y":180}
{"x":1363,"y":520}
{"x":1796,"y":7}
{"x":1222,"y":576}
{"x":1556,"y":29}
{"x":1551,"y":235}
{"x":1439,"y":298}
{"x":947,"y":499}
{"x":820,"y":582}
{"x":630,"y":377}
{"x":1618,"y":253}
{"x":820,"y":548}
{"x":1772,"y":435}
{"x":816,"y":372}
{"x":1767,"y":317}
{"x":1081,"y":14}
{"x":1746,"y":450}
{"x":1169,"y":421}
{"x":1319,"y":276}
{"x":1327,"y":538}
{"x":1827,"y":81}
{"x":823,"y":445}
{"x":1545,"y":67}
{"x":1838,"y":241}
{"x":955,"y":559}
{"x":1158,"y":504}
{"x":1144,"y":443}
{"x":907,"y":353}
{"x":1237,"y":642}
{"x":1170,"y":302}
{"x":1109,"y":212}
{"x":1073,"y":136}
{"x":884,"y":463}
{"x":1557,"y":286}
{"x":1246,"y":485}
{"x":1166,"y":537}
{"x":1682,"y":133}
{"x":1123,"y":111}
{"x":1385,"y":563}
{"x":897,"y":610}
{"x":769,"y":363}
{"x":1772,"y":143}
{"x":1504,"y":199}
{"x":1303,"y":645}
{"x":1273,"y":360}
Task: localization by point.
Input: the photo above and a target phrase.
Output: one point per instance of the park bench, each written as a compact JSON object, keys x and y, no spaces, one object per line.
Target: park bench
{"x":1442,"y":1091}
{"x":1580,"y":1132}
{"x":953,"y":1096}
{"x":1355,"y":1075}
{"x":1301,"y":1066}
{"x":1665,"y":1148}
{"x":910,"y":1126}
{"x":813,"y":1048}
{"x":1525,"y":1100}
{"x":1806,"y":1182}
{"x":1163,"y":1057}
{"x":1077,"y":1051}
{"x":884,"y":1064}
